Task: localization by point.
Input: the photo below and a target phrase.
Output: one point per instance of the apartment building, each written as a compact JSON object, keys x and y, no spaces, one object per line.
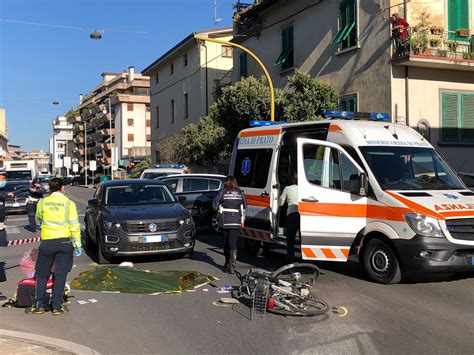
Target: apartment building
{"x":183,"y":82}
{"x":3,"y":136}
{"x":112,"y":125}
{"x":40,"y":158}
{"x":61,"y":160}
{"x":425,"y":81}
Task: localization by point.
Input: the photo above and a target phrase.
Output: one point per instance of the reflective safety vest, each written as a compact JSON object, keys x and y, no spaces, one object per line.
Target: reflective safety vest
{"x":58,"y":217}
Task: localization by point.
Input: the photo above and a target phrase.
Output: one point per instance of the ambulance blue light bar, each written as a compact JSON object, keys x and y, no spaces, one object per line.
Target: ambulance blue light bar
{"x":170,"y":166}
{"x":349,"y":115}
{"x":264,"y":123}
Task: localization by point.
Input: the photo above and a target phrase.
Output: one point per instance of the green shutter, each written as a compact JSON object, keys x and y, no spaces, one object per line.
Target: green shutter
{"x":467,"y":117}
{"x":243,"y":64}
{"x":458,"y":17}
{"x":450,"y":116}
{"x":285,"y":59}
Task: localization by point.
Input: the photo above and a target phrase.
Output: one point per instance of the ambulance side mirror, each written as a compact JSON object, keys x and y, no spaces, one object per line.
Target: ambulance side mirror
{"x":363,"y":184}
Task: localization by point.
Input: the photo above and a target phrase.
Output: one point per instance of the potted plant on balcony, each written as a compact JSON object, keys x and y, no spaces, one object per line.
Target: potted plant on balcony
{"x":436,"y":30}
{"x":453,"y":46}
{"x":434,"y":43}
{"x":462,"y":32}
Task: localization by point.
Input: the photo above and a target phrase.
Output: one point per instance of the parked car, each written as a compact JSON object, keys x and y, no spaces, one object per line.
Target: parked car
{"x":79,"y":180}
{"x":196,"y":193}
{"x":17,"y":203}
{"x":44,"y":181}
{"x":468,"y":179}
{"x":160,"y":170}
{"x":137,"y":217}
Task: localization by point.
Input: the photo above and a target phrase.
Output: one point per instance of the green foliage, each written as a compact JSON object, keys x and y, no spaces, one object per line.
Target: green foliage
{"x":137,"y":170}
{"x":308,"y":98}
{"x":172,"y":149}
{"x":72,"y":113}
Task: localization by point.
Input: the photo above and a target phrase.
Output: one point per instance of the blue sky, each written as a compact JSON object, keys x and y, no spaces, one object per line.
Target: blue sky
{"x":40,"y":64}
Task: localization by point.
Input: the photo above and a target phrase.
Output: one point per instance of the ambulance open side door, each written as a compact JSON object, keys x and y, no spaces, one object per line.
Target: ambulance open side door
{"x":332,"y":190}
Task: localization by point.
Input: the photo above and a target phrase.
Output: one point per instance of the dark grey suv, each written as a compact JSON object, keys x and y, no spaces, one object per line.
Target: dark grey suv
{"x":137,"y":217}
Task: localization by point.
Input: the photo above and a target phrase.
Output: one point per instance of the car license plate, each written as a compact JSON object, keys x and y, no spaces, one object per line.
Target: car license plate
{"x":16,"y":204}
{"x":154,"y":239}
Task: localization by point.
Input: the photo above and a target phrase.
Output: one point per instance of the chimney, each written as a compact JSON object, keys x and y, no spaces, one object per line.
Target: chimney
{"x":131,"y":73}
{"x":81,"y":99}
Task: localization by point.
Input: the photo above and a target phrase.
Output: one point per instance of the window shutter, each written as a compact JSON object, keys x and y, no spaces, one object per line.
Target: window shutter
{"x":467,"y":110}
{"x":463,"y":14}
{"x":452,"y":18}
{"x":450,"y":117}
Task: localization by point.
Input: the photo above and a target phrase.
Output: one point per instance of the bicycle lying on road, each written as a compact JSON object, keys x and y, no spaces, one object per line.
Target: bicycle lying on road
{"x":286,"y":291}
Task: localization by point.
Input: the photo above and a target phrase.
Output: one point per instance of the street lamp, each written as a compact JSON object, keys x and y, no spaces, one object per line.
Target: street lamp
{"x":96,"y":35}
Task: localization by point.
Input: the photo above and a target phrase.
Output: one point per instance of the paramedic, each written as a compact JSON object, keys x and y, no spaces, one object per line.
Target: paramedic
{"x":290,"y":196}
{"x":60,"y":240}
{"x":230,"y":202}
{"x":36,"y":192}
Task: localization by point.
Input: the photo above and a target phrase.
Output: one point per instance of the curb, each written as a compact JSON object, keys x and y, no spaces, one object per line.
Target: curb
{"x":64,"y":344}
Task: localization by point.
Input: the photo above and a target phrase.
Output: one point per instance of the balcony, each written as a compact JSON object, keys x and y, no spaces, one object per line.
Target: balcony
{"x":433,"y":50}
{"x":79,"y":139}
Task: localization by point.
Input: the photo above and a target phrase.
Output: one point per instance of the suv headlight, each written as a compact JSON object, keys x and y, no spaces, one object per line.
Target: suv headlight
{"x":112,"y":225}
{"x":424,"y":225}
{"x":185,"y":220}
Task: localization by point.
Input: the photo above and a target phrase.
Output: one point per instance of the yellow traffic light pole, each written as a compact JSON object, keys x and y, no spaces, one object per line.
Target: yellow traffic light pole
{"x":270,"y":82}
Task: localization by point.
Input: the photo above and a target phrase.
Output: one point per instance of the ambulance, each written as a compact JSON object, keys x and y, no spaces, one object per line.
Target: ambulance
{"x":369,"y":191}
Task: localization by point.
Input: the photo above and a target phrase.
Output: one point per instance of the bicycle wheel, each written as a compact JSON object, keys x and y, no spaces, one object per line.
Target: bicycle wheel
{"x":297,"y":273}
{"x":307,"y":307}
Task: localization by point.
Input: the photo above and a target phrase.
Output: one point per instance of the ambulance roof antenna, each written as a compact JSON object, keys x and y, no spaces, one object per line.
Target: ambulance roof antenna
{"x":395,"y":135}
{"x":216,"y":19}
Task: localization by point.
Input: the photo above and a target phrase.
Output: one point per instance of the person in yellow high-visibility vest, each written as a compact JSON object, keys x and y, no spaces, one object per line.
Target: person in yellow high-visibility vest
{"x":60,"y":241}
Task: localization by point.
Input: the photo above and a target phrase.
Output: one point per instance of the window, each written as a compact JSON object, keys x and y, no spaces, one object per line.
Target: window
{"x":186,"y":106}
{"x":172,"y":111}
{"x":286,"y":58}
{"x":185,"y":60}
{"x":321,"y":165}
{"x":252,"y":167}
{"x":130,"y":122}
{"x":457,"y":117}
{"x":157,"y":116}
{"x":348,"y":103}
{"x":243,"y":64}
{"x":172,"y":184}
{"x":350,"y":176}
{"x":130,"y":106}
{"x":148,"y":137}
{"x":346,"y":36}
{"x":227,"y":51}
{"x":172,"y":69}
{"x":148,"y":123}
{"x":195,"y":185}
{"x":214,"y":185}
{"x":157,"y":78}
{"x":458,"y":18}
{"x":131,"y":137}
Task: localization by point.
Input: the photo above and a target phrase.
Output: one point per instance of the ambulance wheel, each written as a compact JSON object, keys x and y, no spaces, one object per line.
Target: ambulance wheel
{"x":252,"y":246}
{"x":381,"y":262}
{"x":101,"y":258}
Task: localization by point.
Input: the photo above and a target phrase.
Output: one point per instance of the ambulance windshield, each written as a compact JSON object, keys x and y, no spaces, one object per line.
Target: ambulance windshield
{"x":410,"y":168}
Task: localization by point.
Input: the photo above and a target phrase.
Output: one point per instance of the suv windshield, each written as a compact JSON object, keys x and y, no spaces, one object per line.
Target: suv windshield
{"x":138,"y":195}
{"x":19,"y":175}
{"x":13,"y":186}
{"x":410,"y":168}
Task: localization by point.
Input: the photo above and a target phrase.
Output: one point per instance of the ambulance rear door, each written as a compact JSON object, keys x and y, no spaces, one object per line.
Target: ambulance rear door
{"x":332,"y":200}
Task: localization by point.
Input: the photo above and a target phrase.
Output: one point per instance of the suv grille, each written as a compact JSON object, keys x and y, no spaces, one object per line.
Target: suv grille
{"x":11,"y":201}
{"x":143,"y":227}
{"x":171,"y":244}
{"x":462,"y":229}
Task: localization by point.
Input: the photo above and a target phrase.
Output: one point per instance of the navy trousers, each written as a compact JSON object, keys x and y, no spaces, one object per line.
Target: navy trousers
{"x":230,"y":241}
{"x":31,"y":208}
{"x":59,"y":252}
{"x":292,"y":227}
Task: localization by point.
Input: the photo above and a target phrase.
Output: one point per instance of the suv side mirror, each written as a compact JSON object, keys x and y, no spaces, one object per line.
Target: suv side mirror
{"x":363,"y":185}
{"x":93,"y":202}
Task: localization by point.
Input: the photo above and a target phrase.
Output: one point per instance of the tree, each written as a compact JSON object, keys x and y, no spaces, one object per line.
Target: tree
{"x":137,"y":170}
{"x":205,"y":143}
{"x":171,"y":150}
{"x":307,"y":98}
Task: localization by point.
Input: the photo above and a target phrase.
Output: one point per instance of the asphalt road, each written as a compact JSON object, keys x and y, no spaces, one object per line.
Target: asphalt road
{"x":427,"y":316}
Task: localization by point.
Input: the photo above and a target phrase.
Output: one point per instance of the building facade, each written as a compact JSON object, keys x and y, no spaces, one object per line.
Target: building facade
{"x":111,"y":125}
{"x":425,"y":80}
{"x":183,"y":82}
{"x":61,"y":161}
{"x":3,"y":136}
{"x":40,"y":158}
{"x":15,"y":152}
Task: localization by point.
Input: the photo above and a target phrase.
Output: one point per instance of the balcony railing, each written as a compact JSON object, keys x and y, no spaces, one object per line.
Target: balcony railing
{"x":432,"y":44}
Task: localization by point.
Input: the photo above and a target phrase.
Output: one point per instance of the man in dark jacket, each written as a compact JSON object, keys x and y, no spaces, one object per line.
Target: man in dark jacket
{"x":230,"y":202}
{"x":36,"y":192}
{"x":3,"y":197}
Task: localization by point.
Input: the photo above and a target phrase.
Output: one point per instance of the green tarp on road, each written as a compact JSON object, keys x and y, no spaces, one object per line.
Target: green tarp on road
{"x":129,"y":280}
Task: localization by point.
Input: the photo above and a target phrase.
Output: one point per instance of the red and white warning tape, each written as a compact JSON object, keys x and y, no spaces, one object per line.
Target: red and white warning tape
{"x":23,"y":241}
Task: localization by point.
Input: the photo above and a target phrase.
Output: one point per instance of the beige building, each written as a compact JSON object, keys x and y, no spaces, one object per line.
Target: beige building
{"x":425,"y":81}
{"x":41,"y":160}
{"x":113,"y":120}
{"x":183,"y":82}
{"x":3,"y":136}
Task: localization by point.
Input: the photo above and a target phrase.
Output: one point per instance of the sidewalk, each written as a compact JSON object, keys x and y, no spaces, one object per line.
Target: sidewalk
{"x":12,"y":342}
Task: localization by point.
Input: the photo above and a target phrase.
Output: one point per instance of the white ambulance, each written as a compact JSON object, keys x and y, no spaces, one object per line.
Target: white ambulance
{"x":369,"y":191}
